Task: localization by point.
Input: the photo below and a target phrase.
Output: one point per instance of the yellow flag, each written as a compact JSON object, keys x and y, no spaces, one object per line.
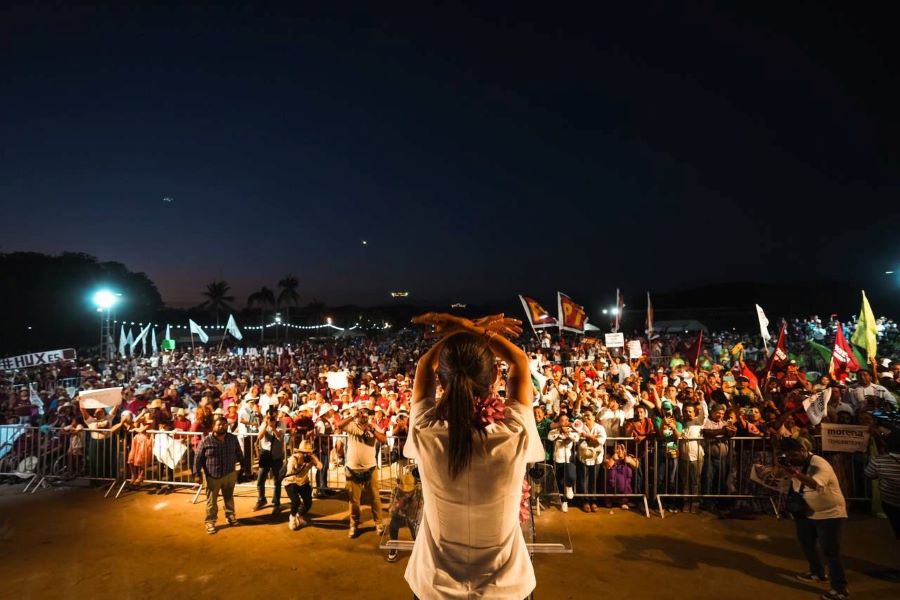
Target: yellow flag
{"x":865,"y":334}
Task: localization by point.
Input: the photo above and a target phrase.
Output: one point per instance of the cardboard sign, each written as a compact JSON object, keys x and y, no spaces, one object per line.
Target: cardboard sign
{"x":770,"y":477}
{"x":634,"y":349}
{"x":845,"y":438}
{"x":615,"y":340}
{"x":36,"y":359}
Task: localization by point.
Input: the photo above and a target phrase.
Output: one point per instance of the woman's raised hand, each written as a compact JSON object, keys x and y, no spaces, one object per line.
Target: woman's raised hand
{"x":500,"y":324}
{"x":445,"y":324}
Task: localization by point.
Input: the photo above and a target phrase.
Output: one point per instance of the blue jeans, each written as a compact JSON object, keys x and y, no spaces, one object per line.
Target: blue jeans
{"x":819,"y":537}
{"x":267,"y":465}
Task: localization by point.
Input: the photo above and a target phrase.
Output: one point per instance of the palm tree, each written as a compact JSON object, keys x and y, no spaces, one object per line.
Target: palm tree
{"x":288,"y":295}
{"x":263,"y":299}
{"x":217,"y":298}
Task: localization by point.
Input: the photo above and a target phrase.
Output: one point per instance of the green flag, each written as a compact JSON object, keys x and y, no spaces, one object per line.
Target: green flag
{"x":865,"y":334}
{"x":818,"y":350}
{"x":168,"y":344}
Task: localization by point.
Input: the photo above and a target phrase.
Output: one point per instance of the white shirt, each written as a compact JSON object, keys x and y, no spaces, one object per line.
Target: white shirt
{"x":360,"y":448}
{"x":826,"y":501}
{"x":858,"y":395}
{"x":563,"y":444}
{"x":591,"y":455}
{"x":692,"y":450}
{"x":470,"y":544}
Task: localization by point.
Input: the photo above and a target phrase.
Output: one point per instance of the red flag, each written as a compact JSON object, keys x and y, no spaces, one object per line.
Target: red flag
{"x":779,"y":359}
{"x":749,"y":374}
{"x":537,"y":315}
{"x":649,"y":315}
{"x":571,"y":315}
{"x":620,"y":307}
{"x":693,"y":352}
{"x":843,"y":361}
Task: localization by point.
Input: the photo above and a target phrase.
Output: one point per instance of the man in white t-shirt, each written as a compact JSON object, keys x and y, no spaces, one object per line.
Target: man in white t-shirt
{"x":866,"y":388}
{"x":821,"y":528}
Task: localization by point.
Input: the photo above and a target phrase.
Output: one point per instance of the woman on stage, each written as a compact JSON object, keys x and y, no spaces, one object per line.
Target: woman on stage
{"x":472,"y":448}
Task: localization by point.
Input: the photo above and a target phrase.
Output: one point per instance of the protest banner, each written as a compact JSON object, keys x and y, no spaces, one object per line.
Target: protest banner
{"x":105,"y":398}
{"x":36,"y":359}
{"x":615,"y":340}
{"x":815,"y":405}
{"x":845,"y":438}
{"x":634,"y":348}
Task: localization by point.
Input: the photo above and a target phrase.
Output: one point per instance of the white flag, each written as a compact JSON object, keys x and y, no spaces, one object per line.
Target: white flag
{"x":815,"y":406}
{"x":198,"y":330}
{"x":153,"y":347}
{"x":763,"y":324}
{"x":129,"y":342}
{"x":122,"y":341}
{"x":140,"y":339}
{"x":168,"y":335}
{"x":232,"y":328}
{"x":35,"y":399}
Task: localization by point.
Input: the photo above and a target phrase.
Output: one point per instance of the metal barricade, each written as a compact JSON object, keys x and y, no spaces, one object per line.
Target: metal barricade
{"x":331,"y":451}
{"x":849,"y":467}
{"x":161,"y":458}
{"x":709,"y":469}
{"x":21,"y":452}
{"x":83,"y":453}
{"x":620,"y":470}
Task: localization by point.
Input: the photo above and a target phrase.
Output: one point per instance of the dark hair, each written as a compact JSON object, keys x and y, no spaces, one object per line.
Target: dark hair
{"x":465,"y":368}
{"x":892,"y":442}
{"x":791,"y":445}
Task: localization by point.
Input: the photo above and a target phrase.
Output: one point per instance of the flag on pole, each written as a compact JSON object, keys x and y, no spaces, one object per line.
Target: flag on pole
{"x":763,"y":324}
{"x":35,"y":399}
{"x":865,"y":336}
{"x":620,"y":306}
{"x":153,"y":347}
{"x":779,"y":358}
{"x":122,"y":341}
{"x":538,"y":316}
{"x":199,"y":331}
{"x":693,"y":352}
{"x":649,"y":315}
{"x":571,"y":315}
{"x":843,"y":362}
{"x":141,"y":339}
{"x":232,"y":328}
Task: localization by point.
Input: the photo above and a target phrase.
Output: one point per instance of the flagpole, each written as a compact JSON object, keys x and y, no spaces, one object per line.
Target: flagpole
{"x":192,"y":339}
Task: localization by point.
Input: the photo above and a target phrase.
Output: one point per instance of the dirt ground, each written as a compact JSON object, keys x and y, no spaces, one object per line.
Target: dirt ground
{"x":73,"y":543}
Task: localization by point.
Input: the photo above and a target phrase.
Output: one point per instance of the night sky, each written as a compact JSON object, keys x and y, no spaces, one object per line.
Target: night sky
{"x":481,"y":152}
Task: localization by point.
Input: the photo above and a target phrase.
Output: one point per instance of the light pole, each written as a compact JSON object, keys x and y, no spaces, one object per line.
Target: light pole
{"x":104,"y":300}
{"x":277,"y":323}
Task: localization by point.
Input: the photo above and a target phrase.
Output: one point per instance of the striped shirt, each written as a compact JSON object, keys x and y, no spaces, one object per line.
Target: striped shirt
{"x":886,"y":469}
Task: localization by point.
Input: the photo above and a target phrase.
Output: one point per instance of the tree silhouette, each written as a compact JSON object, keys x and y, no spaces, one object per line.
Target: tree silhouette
{"x":262,"y":300}
{"x":217,"y":298}
{"x":288,"y":295}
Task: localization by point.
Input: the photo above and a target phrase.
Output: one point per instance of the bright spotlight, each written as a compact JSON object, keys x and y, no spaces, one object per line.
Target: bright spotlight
{"x":104,"y":299}
{"x":614,"y":311}
{"x":605,"y":311}
{"x":328,"y":320}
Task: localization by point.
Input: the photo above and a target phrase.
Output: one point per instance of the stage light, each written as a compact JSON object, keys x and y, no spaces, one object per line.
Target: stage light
{"x":105,"y":299}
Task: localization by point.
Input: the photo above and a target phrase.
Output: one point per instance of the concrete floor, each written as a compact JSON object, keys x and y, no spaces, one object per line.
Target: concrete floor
{"x":73,"y":543}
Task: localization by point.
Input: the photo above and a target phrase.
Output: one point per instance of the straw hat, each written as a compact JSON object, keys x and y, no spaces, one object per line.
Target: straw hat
{"x":157,"y":403}
{"x":305,"y":446}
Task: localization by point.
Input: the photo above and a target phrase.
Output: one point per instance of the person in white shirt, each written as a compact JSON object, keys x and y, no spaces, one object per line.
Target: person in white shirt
{"x":819,"y":528}
{"x":590,"y":454}
{"x":690,"y":456}
{"x":472,"y":449}
{"x":865,"y":388}
{"x":362,"y":434}
{"x":564,"y":437}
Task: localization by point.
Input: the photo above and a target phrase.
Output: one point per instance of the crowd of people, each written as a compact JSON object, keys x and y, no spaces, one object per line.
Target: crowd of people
{"x":615,"y":428}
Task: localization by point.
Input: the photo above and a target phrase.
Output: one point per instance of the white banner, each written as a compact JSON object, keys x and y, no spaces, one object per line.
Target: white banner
{"x":845,"y":438}
{"x":815,"y":406}
{"x":634,"y":349}
{"x":105,"y":398}
{"x":615,"y":340}
{"x":168,"y":450}
{"x":36,"y":359}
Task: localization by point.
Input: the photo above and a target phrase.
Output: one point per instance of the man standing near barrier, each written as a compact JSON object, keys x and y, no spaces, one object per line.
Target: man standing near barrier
{"x":216,"y":457}
{"x":361,"y":468}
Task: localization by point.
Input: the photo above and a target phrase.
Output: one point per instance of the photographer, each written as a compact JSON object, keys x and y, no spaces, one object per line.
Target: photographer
{"x":361,"y":468}
{"x":819,"y":509}
{"x":297,"y":485}
{"x":272,"y":433}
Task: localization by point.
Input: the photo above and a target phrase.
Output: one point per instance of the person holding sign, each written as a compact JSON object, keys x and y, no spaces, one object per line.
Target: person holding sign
{"x":472,"y":448}
{"x":819,"y":511}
